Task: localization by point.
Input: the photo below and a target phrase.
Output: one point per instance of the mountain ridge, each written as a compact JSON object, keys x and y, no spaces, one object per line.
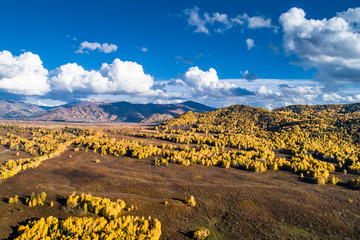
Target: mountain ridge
{"x":90,"y":111}
{"x":12,"y":109}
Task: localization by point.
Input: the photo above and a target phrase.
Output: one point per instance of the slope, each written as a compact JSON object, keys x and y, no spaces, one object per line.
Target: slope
{"x":10,"y":109}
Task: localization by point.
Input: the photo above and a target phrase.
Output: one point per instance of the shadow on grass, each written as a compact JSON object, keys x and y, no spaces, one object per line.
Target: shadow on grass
{"x":178,"y":199}
{"x":341,"y":184}
{"x":188,"y":235}
{"x":346,"y":185}
{"x":306,"y":180}
{"x":15,"y":232}
{"x":60,"y":199}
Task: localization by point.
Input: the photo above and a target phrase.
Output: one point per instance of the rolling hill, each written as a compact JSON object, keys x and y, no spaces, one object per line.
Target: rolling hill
{"x":237,"y":118}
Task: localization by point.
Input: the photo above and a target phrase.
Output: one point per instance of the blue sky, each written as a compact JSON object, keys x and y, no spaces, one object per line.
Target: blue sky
{"x":215,"y":52}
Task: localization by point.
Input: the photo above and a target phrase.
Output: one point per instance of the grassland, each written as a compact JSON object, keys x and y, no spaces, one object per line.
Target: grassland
{"x":235,"y":199}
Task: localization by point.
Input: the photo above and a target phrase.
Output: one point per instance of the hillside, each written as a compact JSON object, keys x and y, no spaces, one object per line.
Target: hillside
{"x":241,"y":118}
{"x":328,"y":132}
{"x":117,"y":112}
{"x":11,"y":109}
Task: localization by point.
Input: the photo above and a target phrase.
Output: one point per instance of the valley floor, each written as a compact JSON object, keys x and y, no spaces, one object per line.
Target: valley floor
{"x":231,"y":203}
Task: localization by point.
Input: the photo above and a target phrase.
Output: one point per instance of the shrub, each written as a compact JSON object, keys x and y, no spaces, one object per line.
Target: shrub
{"x":190,"y":201}
{"x":334,"y":180}
{"x":201,"y":234}
{"x":34,"y":201}
{"x":43,"y":196}
{"x":126,"y":227}
{"x":100,"y":206}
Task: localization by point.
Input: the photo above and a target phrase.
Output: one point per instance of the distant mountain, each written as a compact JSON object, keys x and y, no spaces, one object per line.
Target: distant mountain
{"x":118,"y":112}
{"x":11,"y":109}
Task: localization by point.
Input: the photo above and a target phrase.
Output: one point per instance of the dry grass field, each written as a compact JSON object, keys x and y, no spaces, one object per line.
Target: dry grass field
{"x":231,"y":203}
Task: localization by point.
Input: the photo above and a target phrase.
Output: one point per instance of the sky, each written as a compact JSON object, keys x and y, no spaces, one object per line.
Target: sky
{"x":260,"y":53}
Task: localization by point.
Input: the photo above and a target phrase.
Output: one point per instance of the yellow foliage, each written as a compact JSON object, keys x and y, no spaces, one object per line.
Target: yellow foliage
{"x":201,"y":234}
{"x":190,"y":201}
{"x":100,"y":206}
{"x":126,"y":227}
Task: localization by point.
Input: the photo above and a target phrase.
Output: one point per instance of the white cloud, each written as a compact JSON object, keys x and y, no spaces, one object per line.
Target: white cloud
{"x":119,"y":77}
{"x":256,"y":21}
{"x":144,"y":49}
{"x":127,"y":76}
{"x":332,"y":46}
{"x":273,"y":93}
{"x":201,"y":80}
{"x":105,"y":47}
{"x":44,"y":102}
{"x":259,"y":22}
{"x":206,"y":87}
{"x":219,"y":18}
{"x":195,"y":20}
{"x":74,"y":78}
{"x":207,"y":83}
{"x":250,"y":43}
{"x":125,"y":80}
{"x":238,"y":20}
{"x":201,"y":86}
{"x":23,"y":74}
{"x":352,"y":15}
{"x":332,"y":97}
{"x":221,"y":22}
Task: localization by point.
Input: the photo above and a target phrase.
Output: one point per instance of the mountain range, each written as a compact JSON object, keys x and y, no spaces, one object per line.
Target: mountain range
{"x":11,"y":109}
{"x":89,"y":111}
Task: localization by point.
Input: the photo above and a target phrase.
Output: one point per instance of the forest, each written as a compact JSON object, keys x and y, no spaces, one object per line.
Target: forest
{"x":317,"y":144}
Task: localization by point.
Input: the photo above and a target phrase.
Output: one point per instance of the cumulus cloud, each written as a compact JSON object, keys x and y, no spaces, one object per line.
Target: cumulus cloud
{"x":22,"y":77}
{"x":220,"y":22}
{"x":201,"y":80}
{"x":105,"y":47}
{"x":144,"y":49}
{"x":23,"y":74}
{"x":332,"y":46}
{"x":74,"y":78}
{"x":119,"y":77}
{"x":250,"y":43}
{"x":207,"y":83}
